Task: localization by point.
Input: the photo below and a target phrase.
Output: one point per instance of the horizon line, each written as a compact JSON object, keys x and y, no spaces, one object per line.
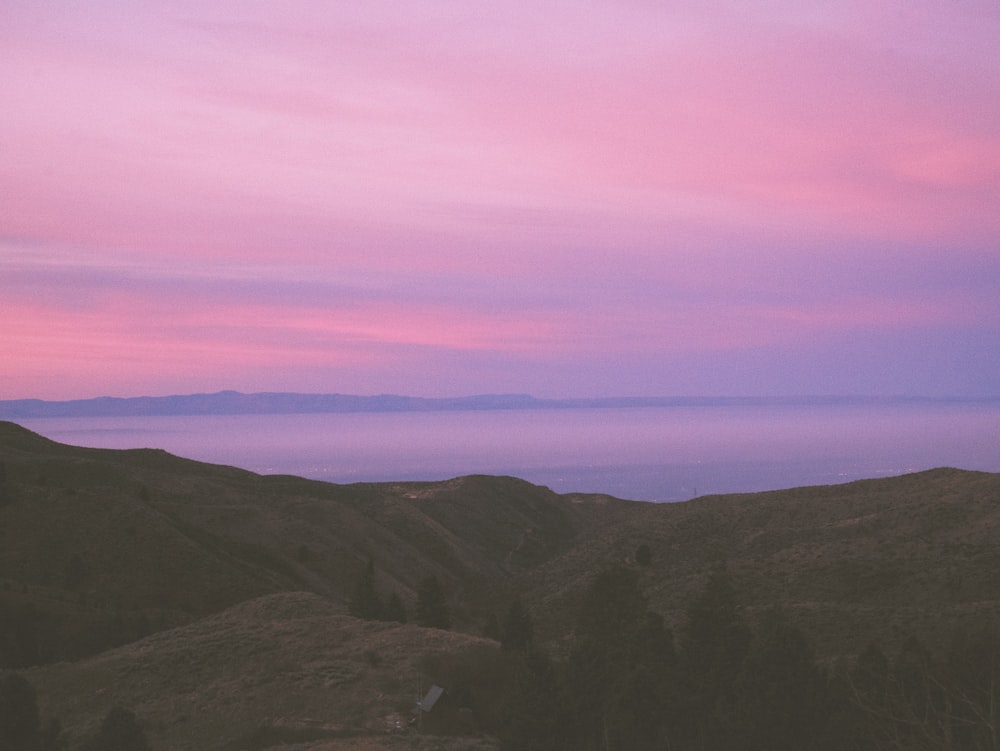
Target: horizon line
{"x":289,"y":402}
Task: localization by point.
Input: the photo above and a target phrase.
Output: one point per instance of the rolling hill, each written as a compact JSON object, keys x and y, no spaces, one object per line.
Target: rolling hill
{"x":143,"y":530}
{"x":179,"y":583}
{"x":283,"y":668}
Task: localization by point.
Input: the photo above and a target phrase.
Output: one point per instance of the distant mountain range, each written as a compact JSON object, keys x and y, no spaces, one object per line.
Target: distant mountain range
{"x":237,"y":403}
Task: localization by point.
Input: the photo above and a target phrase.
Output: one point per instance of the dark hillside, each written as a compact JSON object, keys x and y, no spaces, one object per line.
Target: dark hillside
{"x":114,"y":544}
{"x":849,"y":563}
{"x":144,"y":538}
{"x":285,"y":668}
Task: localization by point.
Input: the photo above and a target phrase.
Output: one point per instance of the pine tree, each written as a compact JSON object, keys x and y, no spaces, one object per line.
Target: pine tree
{"x":120,"y":731}
{"x":518,"y":630}
{"x":715,"y":643}
{"x":491,"y":627}
{"x":394,"y":610}
{"x":620,"y":674}
{"x":19,"y":719}
{"x":4,"y":494}
{"x":365,"y":602}
{"x":974,"y":687}
{"x":19,"y":630}
{"x":783,"y":701}
{"x":532,"y":718}
{"x":613,"y":606}
{"x":432,"y":608}
{"x":866,"y":688}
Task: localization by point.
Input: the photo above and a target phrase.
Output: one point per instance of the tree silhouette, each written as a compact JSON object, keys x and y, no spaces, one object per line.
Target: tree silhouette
{"x":4,"y":492}
{"x":974,"y":687}
{"x":613,"y":605}
{"x":715,"y":643}
{"x":532,"y":717}
{"x":783,"y":702}
{"x":518,"y":630}
{"x":619,"y":675}
{"x":19,"y":720}
{"x":491,"y":627}
{"x":19,"y":628}
{"x":365,"y":602}
{"x":432,"y":608}
{"x":120,"y":731}
{"x":394,"y":610}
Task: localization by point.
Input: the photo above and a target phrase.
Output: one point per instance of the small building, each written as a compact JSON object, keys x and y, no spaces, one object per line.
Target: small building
{"x":437,"y":714}
{"x":428,"y":703}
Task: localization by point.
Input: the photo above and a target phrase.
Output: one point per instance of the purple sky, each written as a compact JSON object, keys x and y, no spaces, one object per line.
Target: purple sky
{"x":447,"y":198}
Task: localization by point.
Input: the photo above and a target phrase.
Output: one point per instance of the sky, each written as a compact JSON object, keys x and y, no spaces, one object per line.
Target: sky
{"x":596,"y":198}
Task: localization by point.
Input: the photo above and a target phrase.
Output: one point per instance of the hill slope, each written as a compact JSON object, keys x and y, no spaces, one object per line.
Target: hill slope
{"x":239,"y":582}
{"x":149,"y":541}
{"x":278,"y":669}
{"x":152,"y":538}
{"x":867,"y":560}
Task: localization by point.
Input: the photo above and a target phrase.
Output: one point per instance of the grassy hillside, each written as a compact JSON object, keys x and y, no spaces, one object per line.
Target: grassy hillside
{"x":157,"y":541}
{"x":873,"y":559}
{"x":143,"y":532}
{"x":240,"y":582}
{"x":284,"y":668}
{"x":143,"y":537}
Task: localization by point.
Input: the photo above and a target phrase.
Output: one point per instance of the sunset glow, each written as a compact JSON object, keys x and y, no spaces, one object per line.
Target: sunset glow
{"x":444,"y":198}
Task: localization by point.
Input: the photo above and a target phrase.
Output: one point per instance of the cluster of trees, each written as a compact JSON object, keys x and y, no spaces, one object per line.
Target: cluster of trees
{"x":367,"y":603}
{"x":22,"y":729}
{"x":628,"y":682}
{"x":19,"y":627}
{"x":4,"y":487}
{"x":36,"y":630}
{"x":431,"y":608}
{"x":924,"y":702}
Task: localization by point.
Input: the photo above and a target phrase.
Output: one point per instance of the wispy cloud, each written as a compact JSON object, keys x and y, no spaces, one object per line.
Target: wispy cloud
{"x":496,"y":198}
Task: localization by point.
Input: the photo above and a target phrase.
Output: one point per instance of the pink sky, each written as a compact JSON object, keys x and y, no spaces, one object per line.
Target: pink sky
{"x":446,"y":198}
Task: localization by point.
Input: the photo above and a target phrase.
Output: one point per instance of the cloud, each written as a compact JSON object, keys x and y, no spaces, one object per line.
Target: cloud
{"x":489,"y":193}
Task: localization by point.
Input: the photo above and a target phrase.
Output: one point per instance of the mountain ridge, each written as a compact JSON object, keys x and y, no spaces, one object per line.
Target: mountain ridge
{"x":235,"y":403}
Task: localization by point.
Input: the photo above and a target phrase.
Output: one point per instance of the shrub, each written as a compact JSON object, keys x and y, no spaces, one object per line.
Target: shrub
{"x":120,"y":731}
